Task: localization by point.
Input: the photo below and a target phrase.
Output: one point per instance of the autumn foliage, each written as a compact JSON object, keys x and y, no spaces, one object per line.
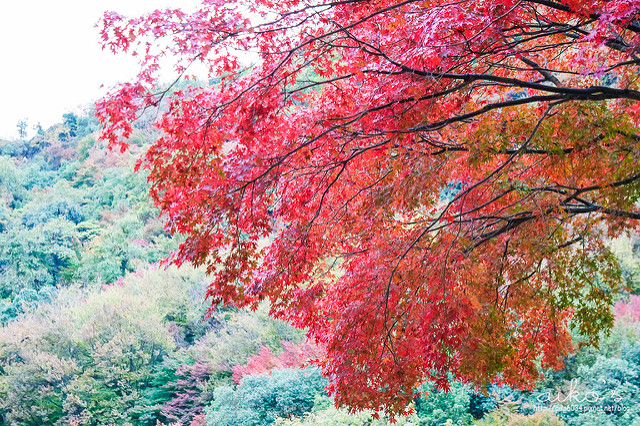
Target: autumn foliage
{"x":426,"y":186}
{"x":186,"y":405}
{"x":629,"y":311}
{"x":295,"y":355}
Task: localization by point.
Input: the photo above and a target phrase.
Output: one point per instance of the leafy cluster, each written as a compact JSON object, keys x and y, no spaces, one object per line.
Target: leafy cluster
{"x":136,"y":352}
{"x":427,"y":188}
{"x":322,"y":178}
{"x":93,"y":330}
{"x":293,"y":356}
{"x":71,"y":211}
{"x":131,"y":346}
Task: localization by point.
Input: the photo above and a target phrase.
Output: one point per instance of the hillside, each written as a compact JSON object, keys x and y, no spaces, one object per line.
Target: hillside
{"x":95,"y":330}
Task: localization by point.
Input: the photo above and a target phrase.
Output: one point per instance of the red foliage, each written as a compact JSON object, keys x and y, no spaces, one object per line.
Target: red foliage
{"x":630,"y":310}
{"x":199,"y":420}
{"x":293,"y":356}
{"x":315,"y":179}
{"x":187,"y":405}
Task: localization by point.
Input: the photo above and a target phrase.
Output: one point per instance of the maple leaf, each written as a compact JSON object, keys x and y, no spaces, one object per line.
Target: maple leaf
{"x":315,"y":178}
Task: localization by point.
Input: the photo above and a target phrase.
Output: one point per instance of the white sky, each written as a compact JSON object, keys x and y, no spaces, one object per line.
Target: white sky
{"x":50,"y":56}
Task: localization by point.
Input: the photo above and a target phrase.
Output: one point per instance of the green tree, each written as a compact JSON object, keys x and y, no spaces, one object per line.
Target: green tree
{"x":71,"y":123}
{"x":437,"y":407}
{"x":260,"y":400}
{"x":22,"y":128}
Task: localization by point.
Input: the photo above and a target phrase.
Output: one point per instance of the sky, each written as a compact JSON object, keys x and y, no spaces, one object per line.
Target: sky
{"x":51,"y":61}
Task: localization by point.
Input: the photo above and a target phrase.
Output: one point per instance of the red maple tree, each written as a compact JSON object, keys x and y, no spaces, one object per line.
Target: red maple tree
{"x":426,"y":186}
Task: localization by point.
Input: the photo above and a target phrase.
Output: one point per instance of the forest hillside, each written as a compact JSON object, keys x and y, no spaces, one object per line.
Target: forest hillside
{"x":96,"y":330}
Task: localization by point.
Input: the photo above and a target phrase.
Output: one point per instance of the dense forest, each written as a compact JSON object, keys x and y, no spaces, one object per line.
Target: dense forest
{"x":97,"y":330}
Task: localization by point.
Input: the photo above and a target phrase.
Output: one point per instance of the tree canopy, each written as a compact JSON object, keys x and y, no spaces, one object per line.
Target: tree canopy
{"x":426,"y":186}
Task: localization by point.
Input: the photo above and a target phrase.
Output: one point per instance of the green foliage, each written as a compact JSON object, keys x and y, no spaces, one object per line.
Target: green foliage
{"x":260,"y":400}
{"x":22,"y":128}
{"x":67,"y":216}
{"x":71,"y":123}
{"x":509,"y":418}
{"x":101,"y":347}
{"x":329,"y":415}
{"x":37,"y":257}
{"x":84,"y":145}
{"x":95,"y":335}
{"x":12,"y":183}
{"x":626,"y":250}
{"x":60,"y":201}
{"x":435,"y":407}
{"x":158,"y":390}
{"x":124,"y":353}
{"x":607,"y":390}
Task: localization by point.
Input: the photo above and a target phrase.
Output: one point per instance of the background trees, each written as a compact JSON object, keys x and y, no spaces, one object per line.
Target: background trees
{"x":70,"y":211}
{"x":128,"y":345}
{"x":129,"y":354}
